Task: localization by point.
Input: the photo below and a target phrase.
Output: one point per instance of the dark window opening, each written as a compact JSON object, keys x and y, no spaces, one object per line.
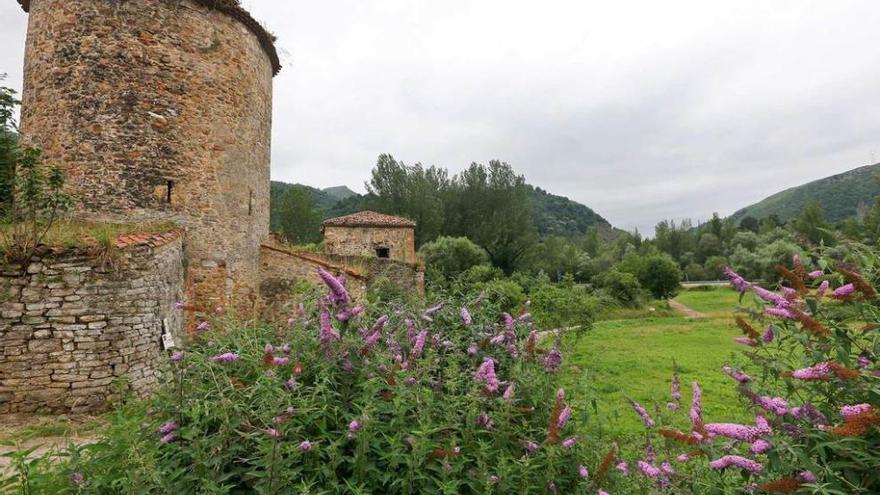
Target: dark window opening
{"x":383,"y":252}
{"x":170,"y":187}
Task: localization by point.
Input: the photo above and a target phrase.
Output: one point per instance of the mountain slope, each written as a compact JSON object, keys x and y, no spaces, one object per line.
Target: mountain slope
{"x":841,"y":196}
{"x":340,"y":193}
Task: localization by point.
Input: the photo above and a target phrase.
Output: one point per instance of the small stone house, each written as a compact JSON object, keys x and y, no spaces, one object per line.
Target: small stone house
{"x":371,"y":235}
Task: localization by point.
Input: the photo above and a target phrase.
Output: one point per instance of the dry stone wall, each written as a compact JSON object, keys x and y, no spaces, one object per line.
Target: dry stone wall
{"x":78,"y":320}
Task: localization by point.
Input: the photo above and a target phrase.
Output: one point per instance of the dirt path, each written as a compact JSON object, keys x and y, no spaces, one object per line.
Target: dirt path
{"x":686,"y":311}
{"x":43,"y":434}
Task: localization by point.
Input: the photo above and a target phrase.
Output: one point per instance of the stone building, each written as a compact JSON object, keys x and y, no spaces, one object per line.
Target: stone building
{"x":157,"y":110}
{"x":371,"y":234}
{"x":160,"y":109}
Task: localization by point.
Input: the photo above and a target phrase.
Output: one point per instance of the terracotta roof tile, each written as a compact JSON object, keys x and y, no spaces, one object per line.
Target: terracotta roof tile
{"x":369,"y":219}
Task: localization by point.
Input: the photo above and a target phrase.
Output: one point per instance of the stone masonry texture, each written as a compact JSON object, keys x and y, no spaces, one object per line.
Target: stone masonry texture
{"x":363,"y":241}
{"x":159,"y":109}
{"x":78,"y":320}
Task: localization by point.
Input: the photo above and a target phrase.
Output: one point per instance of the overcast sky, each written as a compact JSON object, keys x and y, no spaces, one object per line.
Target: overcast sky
{"x":642,"y":110}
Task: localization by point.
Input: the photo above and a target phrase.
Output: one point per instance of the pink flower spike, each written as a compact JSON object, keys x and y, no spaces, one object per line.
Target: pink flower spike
{"x":737,"y":461}
{"x":850,"y":411}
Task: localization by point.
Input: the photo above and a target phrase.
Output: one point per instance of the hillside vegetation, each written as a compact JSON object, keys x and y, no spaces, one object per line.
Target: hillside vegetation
{"x":842,"y":196}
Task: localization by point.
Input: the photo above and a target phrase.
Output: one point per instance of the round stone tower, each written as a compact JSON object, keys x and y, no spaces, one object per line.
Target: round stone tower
{"x":160,"y":109}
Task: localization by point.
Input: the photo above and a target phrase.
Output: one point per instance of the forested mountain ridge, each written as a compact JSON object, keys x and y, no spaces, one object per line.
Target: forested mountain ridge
{"x":841,"y":196}
{"x":553,"y":215}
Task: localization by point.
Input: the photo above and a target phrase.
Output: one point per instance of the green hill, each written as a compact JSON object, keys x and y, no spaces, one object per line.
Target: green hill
{"x":339,"y":193}
{"x":553,"y":215}
{"x":841,"y":196}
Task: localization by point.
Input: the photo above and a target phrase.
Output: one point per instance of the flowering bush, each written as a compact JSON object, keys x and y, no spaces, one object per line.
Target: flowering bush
{"x":811,"y":382}
{"x":450,"y":399}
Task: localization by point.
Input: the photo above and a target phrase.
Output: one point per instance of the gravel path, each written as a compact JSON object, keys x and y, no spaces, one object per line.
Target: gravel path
{"x":686,"y":311}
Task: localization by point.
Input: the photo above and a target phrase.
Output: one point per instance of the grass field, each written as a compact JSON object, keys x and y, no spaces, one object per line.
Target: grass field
{"x":634,"y":358}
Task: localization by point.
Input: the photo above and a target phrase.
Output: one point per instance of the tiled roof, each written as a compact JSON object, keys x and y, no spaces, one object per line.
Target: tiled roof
{"x":237,"y":12}
{"x":369,"y":219}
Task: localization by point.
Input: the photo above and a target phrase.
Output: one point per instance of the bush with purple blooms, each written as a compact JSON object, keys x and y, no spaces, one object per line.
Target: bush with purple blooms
{"x":455,"y":398}
{"x":810,"y":378}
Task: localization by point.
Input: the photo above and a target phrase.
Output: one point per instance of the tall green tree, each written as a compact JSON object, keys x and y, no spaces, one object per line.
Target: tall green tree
{"x":8,"y":146}
{"x":299,"y":222}
{"x":811,"y":224}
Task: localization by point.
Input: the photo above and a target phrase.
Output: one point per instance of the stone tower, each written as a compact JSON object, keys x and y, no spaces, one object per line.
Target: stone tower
{"x":160,"y":110}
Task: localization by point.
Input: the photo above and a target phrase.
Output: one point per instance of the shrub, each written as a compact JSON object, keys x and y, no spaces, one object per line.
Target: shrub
{"x":449,"y":257}
{"x":560,"y":307}
{"x":811,"y":384}
{"x":623,"y":287}
{"x":505,"y":294}
{"x":345,"y":401}
{"x":661,"y":276}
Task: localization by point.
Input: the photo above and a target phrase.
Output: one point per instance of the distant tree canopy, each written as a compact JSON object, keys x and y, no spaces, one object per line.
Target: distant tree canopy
{"x":489,"y":205}
{"x":8,"y":145}
{"x":298,"y":221}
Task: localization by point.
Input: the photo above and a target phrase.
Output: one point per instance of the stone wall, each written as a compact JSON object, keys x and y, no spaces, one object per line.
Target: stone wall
{"x":80,"y":319}
{"x":363,"y":241}
{"x":282,"y":269}
{"x":159,"y":109}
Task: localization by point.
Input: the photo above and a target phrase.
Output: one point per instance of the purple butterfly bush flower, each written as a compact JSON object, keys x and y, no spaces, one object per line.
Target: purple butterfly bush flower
{"x":512,"y":351}
{"x":498,"y":339}
{"x":650,"y":455}
{"x":168,"y":438}
{"x":759,"y":446}
{"x":808,"y":412}
{"x":817,"y":372}
{"x":734,"y":431}
{"x":583,"y":472}
{"x":569,"y":442}
{"x":646,"y":418}
{"x":769,"y":334}
{"x":771,"y":297}
{"x":268,"y":349}
{"x":783,"y":313}
{"x":328,"y":335}
{"x":509,"y":322}
{"x":178,"y":357}
{"x":77,"y":478}
{"x":466,"y":317}
{"x":553,"y":361}
{"x":419,"y":344}
{"x":380,"y":324}
{"x":305,"y":446}
{"x":623,"y":467}
{"x":179,"y":305}
{"x":167,"y":428}
{"x":273,"y":433}
{"x":823,"y":288}
{"x":531,"y":447}
{"x":508,"y":392}
{"x":202,"y":326}
{"x":472,"y":350}
{"x":666,"y":467}
{"x":745,"y":341}
{"x":863,"y":362}
{"x":493,"y":479}
{"x":844,"y":291}
{"x":850,"y":411}
{"x":280,"y":361}
{"x":736,"y":374}
{"x":338,"y":294}
{"x":816,"y":274}
{"x":486,"y":374}
{"x":776,"y":405}
{"x":736,"y":461}
{"x":355,"y":426}
{"x":807,"y":477}
{"x":349,"y":314}
{"x":225,"y":358}
{"x":696,"y":412}
{"x":371,"y":340}
{"x":564,"y":417}
{"x":648,"y":470}
{"x":485,"y":422}
{"x":789,"y":294}
{"x":551,"y":487}
{"x":739,"y":283}
{"x":434,"y":309}
{"x":602,"y":492}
